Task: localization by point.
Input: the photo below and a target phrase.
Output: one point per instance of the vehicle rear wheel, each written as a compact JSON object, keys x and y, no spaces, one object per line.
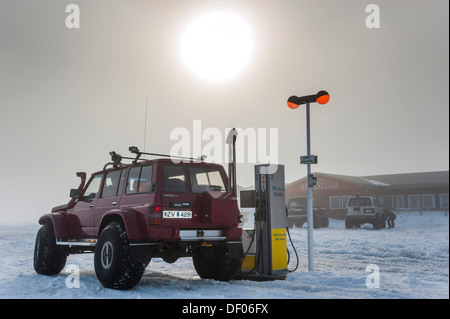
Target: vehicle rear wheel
{"x":324,"y":221}
{"x":377,"y":223}
{"x":299,"y":223}
{"x":49,"y":258}
{"x":316,"y":221}
{"x":348,"y":223}
{"x":215,"y":263}
{"x":290,"y":223}
{"x":112,"y":261}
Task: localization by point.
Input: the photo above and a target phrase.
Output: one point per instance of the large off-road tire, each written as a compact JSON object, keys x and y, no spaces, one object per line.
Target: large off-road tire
{"x":49,"y":258}
{"x":215,"y":263}
{"x":112,"y":261}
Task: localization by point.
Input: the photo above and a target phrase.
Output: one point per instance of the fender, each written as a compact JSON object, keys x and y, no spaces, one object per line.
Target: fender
{"x":60,"y":223}
{"x":134,"y":220}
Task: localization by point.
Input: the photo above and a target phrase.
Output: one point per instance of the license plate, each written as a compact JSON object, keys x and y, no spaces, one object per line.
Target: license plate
{"x":177,"y":214}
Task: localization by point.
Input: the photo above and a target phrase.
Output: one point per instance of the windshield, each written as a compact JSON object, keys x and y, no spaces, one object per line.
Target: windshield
{"x":361,"y":201}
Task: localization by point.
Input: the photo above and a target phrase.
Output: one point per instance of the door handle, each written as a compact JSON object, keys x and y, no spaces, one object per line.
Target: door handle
{"x":91,"y":205}
{"x":114,"y":203}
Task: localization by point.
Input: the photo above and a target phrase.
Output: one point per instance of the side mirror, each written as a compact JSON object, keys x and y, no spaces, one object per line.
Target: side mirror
{"x":75,"y":193}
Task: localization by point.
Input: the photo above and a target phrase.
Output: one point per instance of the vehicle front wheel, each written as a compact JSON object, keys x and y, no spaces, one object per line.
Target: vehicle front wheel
{"x":49,"y":258}
{"x":112,"y":261}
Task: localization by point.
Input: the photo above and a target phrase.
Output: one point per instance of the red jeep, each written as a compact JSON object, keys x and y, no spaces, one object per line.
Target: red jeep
{"x":128,"y":214}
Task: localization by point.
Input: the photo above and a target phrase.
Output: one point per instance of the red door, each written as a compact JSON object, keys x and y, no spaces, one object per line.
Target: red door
{"x":109,"y":198}
{"x":81,"y":216}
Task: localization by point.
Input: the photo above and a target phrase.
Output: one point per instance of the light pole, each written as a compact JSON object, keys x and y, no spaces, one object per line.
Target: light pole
{"x":322,"y":97}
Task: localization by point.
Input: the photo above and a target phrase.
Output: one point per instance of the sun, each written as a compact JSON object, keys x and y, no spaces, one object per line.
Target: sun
{"x":217,"y":46}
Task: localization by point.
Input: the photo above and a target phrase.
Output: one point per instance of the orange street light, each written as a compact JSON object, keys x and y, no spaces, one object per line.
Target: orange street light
{"x":322,"y":97}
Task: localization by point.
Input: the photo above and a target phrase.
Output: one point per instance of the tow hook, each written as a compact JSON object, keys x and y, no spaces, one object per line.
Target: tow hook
{"x":200,"y":233}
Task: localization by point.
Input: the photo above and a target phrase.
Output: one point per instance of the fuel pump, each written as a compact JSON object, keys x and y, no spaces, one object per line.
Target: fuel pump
{"x":265,"y":246}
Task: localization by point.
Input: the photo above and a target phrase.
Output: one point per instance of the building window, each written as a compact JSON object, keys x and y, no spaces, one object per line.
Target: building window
{"x":385,"y":201}
{"x":398,"y":201}
{"x":428,"y":201}
{"x":414,"y":201}
{"x":443,"y":200}
{"x":335,"y":202}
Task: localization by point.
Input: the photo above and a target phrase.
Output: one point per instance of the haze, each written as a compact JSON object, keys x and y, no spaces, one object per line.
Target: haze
{"x":69,"y":96}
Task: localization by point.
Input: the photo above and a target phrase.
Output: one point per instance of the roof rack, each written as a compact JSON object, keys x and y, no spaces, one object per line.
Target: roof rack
{"x":116,"y":159}
{"x":135,"y":150}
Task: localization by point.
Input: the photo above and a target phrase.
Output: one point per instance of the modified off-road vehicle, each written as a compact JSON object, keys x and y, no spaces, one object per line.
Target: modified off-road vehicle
{"x":297,"y":214}
{"x":130,"y":213}
{"x":364,"y":209}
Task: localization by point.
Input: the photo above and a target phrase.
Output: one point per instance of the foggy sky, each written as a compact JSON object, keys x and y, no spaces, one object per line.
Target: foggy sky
{"x":69,"y":96}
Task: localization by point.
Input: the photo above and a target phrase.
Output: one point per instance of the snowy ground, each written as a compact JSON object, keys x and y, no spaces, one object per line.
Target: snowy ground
{"x":413,"y":262}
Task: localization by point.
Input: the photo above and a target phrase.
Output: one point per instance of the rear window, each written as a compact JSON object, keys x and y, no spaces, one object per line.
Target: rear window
{"x":206,"y":179}
{"x":361,"y":201}
{"x":174,"y":179}
{"x":297,"y":202}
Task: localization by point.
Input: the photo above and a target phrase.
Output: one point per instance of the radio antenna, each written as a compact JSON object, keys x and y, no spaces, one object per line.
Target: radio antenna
{"x":145,"y":123}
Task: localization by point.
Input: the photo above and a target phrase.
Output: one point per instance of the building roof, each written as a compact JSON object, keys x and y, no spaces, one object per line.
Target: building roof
{"x":436,"y":179}
{"x":410,"y":180}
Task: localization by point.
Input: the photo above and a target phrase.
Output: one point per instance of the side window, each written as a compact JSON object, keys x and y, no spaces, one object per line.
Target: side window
{"x":139,"y":180}
{"x":174,"y":179}
{"x":111,"y":184}
{"x":145,"y":180}
{"x":93,"y":187}
{"x":133,"y":180}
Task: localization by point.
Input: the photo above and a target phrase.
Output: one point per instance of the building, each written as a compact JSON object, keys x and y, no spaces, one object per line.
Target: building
{"x":411,"y":191}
